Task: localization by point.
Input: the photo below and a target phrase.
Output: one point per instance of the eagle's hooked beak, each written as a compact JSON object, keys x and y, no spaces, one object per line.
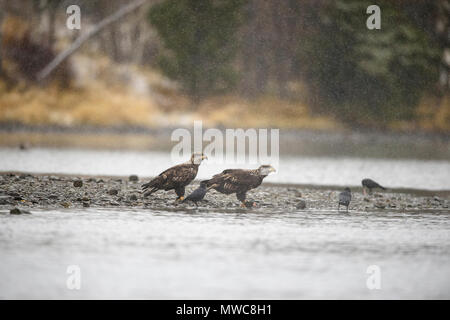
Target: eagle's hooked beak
{"x":204,"y":157}
{"x":272,"y":169}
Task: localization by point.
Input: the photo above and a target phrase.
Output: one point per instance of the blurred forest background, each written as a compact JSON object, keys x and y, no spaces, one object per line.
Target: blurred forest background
{"x":242,"y":63}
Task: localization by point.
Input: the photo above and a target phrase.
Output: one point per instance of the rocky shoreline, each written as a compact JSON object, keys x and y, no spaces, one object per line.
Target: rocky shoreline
{"x":25,"y":192}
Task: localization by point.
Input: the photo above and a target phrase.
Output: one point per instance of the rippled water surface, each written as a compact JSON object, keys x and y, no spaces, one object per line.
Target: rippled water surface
{"x":195,"y":254}
{"x":226,"y":253}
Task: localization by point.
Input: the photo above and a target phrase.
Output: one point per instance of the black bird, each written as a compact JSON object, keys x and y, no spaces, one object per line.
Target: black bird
{"x":239,"y":181}
{"x":370,"y":184}
{"x":344,"y":198}
{"x":175,"y":178}
{"x":198,"y":194}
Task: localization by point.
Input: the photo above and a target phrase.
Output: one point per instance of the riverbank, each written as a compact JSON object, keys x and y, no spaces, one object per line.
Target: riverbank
{"x":42,"y":191}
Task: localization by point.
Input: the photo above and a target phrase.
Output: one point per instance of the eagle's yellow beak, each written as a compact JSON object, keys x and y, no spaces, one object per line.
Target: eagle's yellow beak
{"x":204,"y":157}
{"x":272,"y":169}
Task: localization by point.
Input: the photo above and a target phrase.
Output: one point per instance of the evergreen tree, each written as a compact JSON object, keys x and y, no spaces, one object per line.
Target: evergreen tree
{"x":199,"y":36}
{"x":367,"y":75}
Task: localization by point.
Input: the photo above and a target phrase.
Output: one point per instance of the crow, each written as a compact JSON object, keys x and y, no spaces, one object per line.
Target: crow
{"x":197,"y":195}
{"x":344,"y":198}
{"x":370,"y":184}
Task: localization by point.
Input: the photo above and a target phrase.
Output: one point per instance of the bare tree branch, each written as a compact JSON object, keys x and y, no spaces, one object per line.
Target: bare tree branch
{"x":83,"y":38}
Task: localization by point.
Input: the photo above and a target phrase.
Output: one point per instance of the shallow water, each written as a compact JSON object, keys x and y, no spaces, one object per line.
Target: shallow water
{"x":393,"y":173}
{"x":226,"y":253}
{"x":197,"y":254}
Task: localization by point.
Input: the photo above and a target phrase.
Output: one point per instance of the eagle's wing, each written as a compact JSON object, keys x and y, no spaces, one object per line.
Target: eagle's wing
{"x":227,"y":171}
{"x":234,"y":180}
{"x":176,"y":176}
{"x":242,"y":177}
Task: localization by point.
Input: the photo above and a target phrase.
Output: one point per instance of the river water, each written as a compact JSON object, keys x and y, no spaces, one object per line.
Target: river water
{"x":209,"y":255}
{"x":181,"y":253}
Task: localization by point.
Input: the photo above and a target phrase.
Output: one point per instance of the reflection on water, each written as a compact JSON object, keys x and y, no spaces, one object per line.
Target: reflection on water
{"x":394,"y":173}
{"x":195,"y":254}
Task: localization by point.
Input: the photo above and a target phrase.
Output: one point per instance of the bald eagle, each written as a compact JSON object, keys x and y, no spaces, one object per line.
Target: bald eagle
{"x":175,"y":178}
{"x":238,"y":181}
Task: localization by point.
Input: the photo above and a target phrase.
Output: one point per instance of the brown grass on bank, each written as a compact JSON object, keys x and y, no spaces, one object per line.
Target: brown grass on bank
{"x":107,"y":105}
{"x":264,"y":112}
{"x":97,"y":106}
{"x":434,"y":114}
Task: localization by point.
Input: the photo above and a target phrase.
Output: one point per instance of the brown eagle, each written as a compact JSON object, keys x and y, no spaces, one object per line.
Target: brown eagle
{"x":238,"y":181}
{"x":176,"y":178}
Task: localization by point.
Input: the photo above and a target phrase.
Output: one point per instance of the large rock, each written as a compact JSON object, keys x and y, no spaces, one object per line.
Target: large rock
{"x":18,"y":211}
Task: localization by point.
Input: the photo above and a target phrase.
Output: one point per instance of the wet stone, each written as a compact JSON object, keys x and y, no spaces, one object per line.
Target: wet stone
{"x":5,"y":199}
{"x":301,"y":205}
{"x":66,"y":204}
{"x":78,"y":183}
{"x":113,"y":192}
{"x":133,"y":178}
{"x":13,"y":194}
{"x":18,"y":211}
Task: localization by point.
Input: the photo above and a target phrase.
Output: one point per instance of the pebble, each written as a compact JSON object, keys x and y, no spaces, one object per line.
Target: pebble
{"x":78,"y":183}
{"x":5,"y":199}
{"x":301,"y":205}
{"x":380,"y":205}
{"x":66,"y":204}
{"x":113,"y":192}
{"x":133,"y":178}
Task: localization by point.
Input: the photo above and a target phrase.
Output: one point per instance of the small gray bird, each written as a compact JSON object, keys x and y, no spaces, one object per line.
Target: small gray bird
{"x":198,"y":194}
{"x":370,"y":184}
{"x":344,"y":198}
